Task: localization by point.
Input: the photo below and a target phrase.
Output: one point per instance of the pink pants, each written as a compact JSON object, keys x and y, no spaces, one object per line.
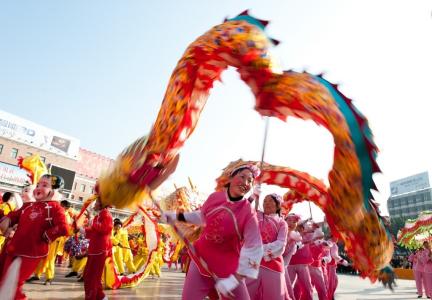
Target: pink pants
{"x":289,"y":289}
{"x":197,"y":286}
{"x":332,"y":281}
{"x":418,"y":277}
{"x":317,"y":279}
{"x":324,"y":271}
{"x":427,"y":282}
{"x":269,"y":285}
{"x":302,"y":286}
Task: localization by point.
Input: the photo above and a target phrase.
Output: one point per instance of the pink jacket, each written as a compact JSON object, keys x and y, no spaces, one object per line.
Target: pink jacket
{"x":422,"y":258}
{"x":273,"y":231}
{"x":413,"y":259}
{"x":290,"y":249}
{"x":230,"y":241}
{"x":318,"y":252}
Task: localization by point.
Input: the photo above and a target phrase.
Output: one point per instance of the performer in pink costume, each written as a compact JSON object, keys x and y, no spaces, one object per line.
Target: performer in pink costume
{"x":331,"y":268}
{"x":298,"y":267}
{"x":418,"y":276}
{"x":271,"y":280}
{"x":230,"y":242}
{"x":428,"y":270}
{"x":290,"y":248}
{"x":422,"y":260}
{"x":317,"y":249}
{"x":325,"y":260}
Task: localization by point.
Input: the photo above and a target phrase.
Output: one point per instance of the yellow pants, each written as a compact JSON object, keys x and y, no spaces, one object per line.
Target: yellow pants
{"x":140,"y":260}
{"x":121,"y":257}
{"x":41,"y":267}
{"x":50,"y":263}
{"x":47,"y":264}
{"x":2,"y":240}
{"x":78,"y":264}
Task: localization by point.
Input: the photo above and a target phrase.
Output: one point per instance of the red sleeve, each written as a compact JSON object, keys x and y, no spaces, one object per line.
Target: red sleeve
{"x":104,"y":223}
{"x":14,"y":216}
{"x":60,"y":227}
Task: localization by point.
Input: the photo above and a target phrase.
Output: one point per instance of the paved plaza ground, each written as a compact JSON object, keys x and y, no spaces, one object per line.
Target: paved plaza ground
{"x":169,"y":287}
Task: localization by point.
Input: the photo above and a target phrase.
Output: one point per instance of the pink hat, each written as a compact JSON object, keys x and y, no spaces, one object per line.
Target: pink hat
{"x":251,"y":167}
{"x":293,"y":217}
{"x":276,"y":197}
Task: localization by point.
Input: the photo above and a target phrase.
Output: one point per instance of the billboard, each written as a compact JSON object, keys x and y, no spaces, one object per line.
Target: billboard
{"x":410,"y":184}
{"x":27,"y":132}
{"x":68,"y":175}
{"x":13,"y":175}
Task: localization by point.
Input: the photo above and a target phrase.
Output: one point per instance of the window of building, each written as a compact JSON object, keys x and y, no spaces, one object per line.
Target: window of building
{"x":81,"y":198}
{"x":14,"y":153}
{"x":72,"y":197}
{"x":43,"y":158}
{"x":91,"y":190}
{"x":75,"y":186}
{"x":82,"y":189}
{"x":29,"y":154}
{"x":1,"y":148}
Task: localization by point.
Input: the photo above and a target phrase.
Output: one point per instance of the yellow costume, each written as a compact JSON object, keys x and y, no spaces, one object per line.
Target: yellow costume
{"x":47,"y":265}
{"x":121,"y":252}
{"x":142,"y":255}
{"x":78,"y":264}
{"x":157,"y":260}
{"x":7,"y":208}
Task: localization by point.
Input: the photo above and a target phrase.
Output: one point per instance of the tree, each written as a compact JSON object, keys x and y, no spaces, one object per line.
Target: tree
{"x":396,"y":224}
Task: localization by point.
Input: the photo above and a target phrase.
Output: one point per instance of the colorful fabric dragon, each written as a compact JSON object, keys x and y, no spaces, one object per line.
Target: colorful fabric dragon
{"x":416,"y":231}
{"x":242,"y":43}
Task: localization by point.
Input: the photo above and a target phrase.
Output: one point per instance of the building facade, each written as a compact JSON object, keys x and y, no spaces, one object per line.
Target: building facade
{"x":61,"y":153}
{"x":410,"y":196}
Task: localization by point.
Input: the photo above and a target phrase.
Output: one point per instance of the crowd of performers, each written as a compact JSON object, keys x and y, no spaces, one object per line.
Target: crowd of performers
{"x":244,"y":253}
{"x":241,"y":253}
{"x":422,"y":268}
{"x":39,"y":229}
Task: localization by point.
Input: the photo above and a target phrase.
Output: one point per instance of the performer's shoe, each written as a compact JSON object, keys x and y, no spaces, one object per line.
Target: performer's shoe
{"x":33,"y":278}
{"x":48,"y":281}
{"x":71,"y":274}
{"x":419,"y":296}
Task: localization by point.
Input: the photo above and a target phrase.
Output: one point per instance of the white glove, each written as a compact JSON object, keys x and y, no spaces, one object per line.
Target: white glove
{"x":168,"y":217}
{"x":256,"y":193}
{"x":268,"y":256}
{"x":299,"y":245}
{"x":345,"y":263}
{"x":295,"y":235}
{"x":225,"y":286}
{"x":326,"y":259}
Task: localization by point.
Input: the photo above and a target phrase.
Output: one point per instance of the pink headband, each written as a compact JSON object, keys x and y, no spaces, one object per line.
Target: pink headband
{"x":276,"y":197}
{"x":293,"y":217}
{"x":253,"y":168}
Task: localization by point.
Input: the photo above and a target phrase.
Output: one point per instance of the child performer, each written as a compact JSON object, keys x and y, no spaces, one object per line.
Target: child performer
{"x":39,"y":224}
